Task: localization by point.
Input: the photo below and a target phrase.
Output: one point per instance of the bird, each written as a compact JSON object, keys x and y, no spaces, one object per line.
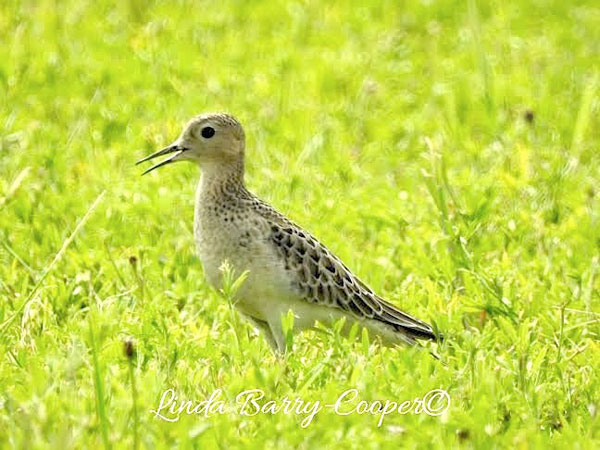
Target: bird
{"x":287,"y":267}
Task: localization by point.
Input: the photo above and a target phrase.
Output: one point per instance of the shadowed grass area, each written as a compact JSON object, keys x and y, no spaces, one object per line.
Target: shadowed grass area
{"x":448,"y":152}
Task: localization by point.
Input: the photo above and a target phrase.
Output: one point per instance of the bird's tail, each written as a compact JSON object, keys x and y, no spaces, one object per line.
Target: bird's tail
{"x":410,"y":327}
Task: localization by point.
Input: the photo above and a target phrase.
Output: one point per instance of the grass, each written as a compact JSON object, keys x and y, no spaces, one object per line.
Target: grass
{"x":448,"y":152}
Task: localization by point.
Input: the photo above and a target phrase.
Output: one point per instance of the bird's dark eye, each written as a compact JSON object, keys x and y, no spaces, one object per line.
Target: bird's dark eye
{"x":208,"y":132}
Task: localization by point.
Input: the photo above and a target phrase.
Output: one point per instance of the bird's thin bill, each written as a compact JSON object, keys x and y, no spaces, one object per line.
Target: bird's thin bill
{"x":165,"y":151}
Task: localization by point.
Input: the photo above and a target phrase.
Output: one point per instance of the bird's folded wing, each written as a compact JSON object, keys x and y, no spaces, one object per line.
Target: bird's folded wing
{"x":320,"y":277}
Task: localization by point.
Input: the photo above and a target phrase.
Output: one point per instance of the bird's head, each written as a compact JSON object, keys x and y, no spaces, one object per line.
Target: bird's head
{"x":213,"y":138}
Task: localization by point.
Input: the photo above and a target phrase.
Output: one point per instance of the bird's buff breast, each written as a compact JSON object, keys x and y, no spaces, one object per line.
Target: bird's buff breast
{"x":245,"y":248}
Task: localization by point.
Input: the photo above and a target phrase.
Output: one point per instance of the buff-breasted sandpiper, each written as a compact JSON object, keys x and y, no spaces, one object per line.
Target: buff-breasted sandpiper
{"x":288,"y":268}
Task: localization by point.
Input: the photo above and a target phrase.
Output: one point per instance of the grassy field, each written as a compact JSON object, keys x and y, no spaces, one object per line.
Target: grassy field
{"x":448,"y":152}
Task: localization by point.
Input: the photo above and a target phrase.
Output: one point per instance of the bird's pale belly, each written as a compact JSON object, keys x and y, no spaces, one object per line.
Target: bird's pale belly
{"x":266,"y":282}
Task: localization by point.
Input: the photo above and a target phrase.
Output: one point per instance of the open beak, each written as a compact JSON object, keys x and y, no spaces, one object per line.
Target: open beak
{"x":175,"y":149}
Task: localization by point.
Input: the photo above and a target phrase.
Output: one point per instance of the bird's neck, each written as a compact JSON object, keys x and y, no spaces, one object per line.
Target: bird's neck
{"x":222,"y":179}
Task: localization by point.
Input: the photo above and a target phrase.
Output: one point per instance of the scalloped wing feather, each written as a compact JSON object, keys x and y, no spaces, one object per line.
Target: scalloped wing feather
{"x":321,"y":278}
